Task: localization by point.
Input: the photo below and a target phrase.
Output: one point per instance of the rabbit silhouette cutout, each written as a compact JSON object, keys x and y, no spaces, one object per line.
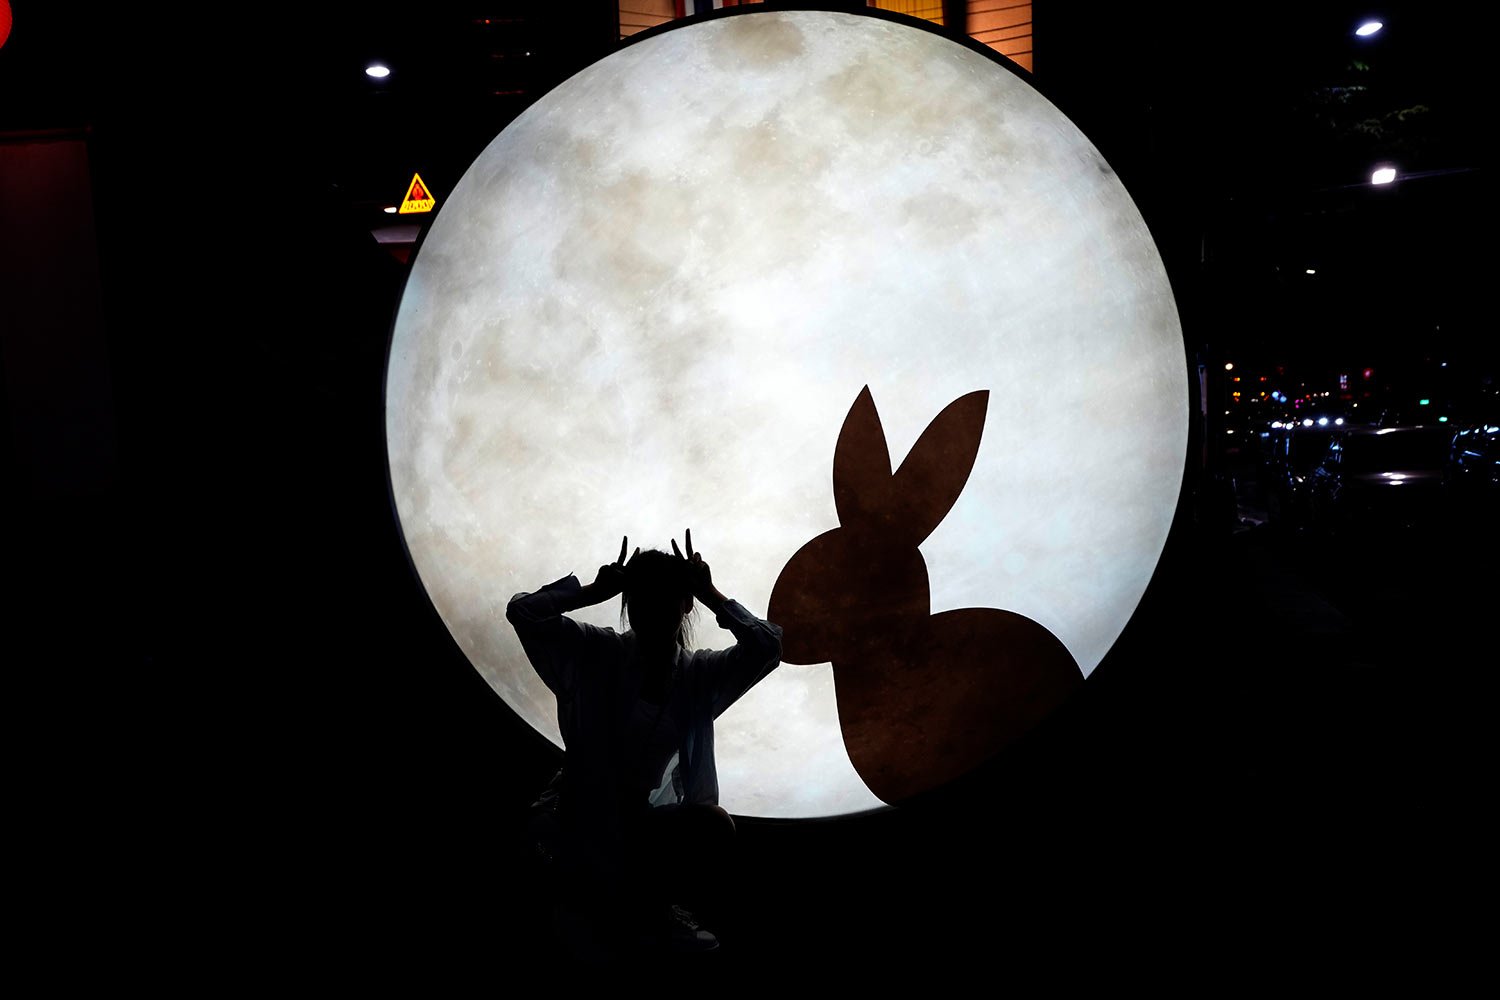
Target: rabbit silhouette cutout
{"x":922,"y":698}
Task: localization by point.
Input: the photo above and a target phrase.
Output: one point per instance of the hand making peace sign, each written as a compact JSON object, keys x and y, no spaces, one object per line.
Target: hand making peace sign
{"x":700,"y":580}
{"x":610,"y":579}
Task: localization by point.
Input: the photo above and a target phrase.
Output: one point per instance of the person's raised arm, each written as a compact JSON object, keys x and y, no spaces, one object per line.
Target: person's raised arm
{"x":552,"y":640}
{"x":757,"y":648}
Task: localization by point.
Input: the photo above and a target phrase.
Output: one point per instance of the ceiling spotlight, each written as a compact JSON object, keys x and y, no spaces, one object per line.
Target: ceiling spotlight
{"x":1383,"y":175}
{"x":378,"y":71}
{"x":1368,"y":28}
{"x":1311,"y":270}
{"x":1229,"y":366}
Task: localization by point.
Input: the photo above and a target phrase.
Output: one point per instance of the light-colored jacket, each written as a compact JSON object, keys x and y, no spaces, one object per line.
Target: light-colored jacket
{"x":591,"y":671}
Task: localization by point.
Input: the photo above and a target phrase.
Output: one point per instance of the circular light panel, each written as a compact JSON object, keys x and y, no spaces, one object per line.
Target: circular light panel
{"x":652,"y":302}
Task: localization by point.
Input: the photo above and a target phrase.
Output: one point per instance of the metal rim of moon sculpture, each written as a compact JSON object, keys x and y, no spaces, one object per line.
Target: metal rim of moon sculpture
{"x":649,"y":304}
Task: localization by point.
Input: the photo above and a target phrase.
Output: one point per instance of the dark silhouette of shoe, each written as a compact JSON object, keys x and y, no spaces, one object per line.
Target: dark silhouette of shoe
{"x":685,"y":934}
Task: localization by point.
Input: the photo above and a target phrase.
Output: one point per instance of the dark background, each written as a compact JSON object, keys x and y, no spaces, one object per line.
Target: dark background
{"x":232,"y":696}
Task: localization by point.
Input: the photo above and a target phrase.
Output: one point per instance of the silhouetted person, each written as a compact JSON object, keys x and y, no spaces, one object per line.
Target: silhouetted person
{"x":632,"y":820}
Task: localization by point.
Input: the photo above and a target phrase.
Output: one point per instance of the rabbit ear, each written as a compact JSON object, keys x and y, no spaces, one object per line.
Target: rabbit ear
{"x":933,"y":474}
{"x":861,"y":465}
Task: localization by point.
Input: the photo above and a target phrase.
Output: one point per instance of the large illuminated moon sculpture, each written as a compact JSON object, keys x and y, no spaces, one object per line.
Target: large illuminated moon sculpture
{"x":650,"y":302}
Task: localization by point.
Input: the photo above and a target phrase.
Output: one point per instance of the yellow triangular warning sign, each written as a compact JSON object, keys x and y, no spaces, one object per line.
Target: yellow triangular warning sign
{"x":418,"y":197}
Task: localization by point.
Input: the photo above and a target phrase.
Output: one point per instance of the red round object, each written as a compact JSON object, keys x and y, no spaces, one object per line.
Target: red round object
{"x":4,"y":21}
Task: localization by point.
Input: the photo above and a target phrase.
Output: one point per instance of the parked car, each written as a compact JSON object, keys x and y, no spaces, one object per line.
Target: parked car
{"x":1474,"y":460}
{"x":1292,"y":451}
{"x":1472,"y":477}
{"x":1380,"y":478}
